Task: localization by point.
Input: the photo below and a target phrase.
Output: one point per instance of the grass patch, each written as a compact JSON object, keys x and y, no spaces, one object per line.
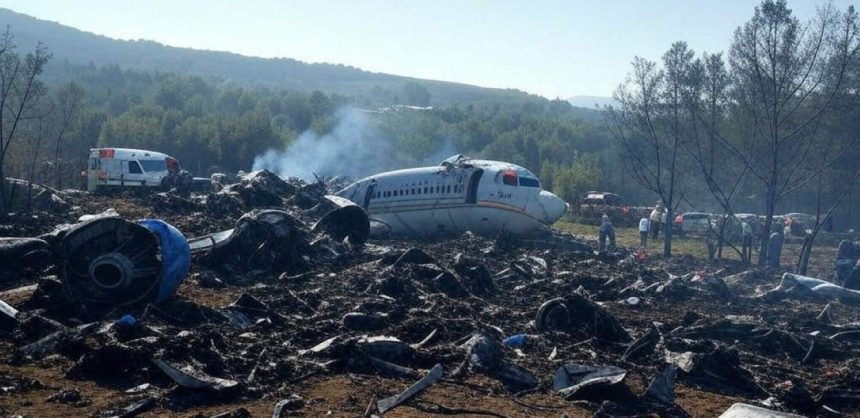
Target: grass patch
{"x":629,"y":237}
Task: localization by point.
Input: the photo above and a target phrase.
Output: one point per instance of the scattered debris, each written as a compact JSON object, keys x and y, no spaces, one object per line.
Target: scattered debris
{"x":742,"y":410}
{"x":390,"y":403}
{"x":110,"y":261}
{"x":484,"y":354}
{"x":817,"y":286}
{"x":192,"y":379}
{"x":662,"y":388}
{"x":270,"y":285}
{"x":293,"y":403}
{"x":572,"y":380}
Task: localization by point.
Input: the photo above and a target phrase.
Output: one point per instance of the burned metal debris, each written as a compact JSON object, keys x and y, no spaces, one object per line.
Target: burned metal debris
{"x":287,"y":290}
{"x":115,"y":262}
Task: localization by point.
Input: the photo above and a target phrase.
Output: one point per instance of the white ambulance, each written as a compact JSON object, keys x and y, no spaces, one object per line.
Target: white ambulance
{"x":114,"y":167}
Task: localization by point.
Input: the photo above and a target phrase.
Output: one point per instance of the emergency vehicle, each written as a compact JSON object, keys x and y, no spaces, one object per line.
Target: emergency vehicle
{"x":112,"y":167}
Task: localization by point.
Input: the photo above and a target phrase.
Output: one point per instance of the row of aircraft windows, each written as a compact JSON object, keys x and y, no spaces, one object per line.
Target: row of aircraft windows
{"x":438,"y":189}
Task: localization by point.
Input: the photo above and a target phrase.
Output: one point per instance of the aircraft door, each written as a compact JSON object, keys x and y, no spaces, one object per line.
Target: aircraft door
{"x":368,"y":194}
{"x":472,"y":191}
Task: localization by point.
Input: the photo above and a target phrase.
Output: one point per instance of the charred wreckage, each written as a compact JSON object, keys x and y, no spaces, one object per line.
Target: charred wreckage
{"x":250,"y":291}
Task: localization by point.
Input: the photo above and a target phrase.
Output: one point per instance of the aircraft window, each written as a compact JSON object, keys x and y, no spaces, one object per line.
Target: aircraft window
{"x":509,"y":178}
{"x":449,"y":189}
{"x":134,"y":168}
{"x":529,"y":182}
{"x":425,"y":190}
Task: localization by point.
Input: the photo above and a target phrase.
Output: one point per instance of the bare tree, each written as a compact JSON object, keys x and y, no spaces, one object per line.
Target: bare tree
{"x":20,"y":93}
{"x":68,"y":100}
{"x":721,"y":171}
{"x":651,"y":124}
{"x":34,"y":145}
{"x":786,"y":76}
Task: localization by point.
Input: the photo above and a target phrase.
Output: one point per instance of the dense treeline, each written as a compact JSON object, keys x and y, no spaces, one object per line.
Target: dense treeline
{"x":211,"y":125}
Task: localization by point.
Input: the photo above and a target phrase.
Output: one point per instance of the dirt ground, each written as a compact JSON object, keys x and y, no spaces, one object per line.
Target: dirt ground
{"x":355,"y":283}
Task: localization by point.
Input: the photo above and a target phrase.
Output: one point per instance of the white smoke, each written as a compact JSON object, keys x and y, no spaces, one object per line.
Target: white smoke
{"x":444,"y":152}
{"x":354,"y":148}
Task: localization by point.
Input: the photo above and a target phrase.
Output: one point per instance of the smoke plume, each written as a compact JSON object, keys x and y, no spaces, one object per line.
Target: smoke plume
{"x":354,"y":148}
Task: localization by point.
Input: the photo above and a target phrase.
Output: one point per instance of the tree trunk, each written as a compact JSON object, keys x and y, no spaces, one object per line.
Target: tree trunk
{"x":57,"y":182}
{"x":4,"y":200}
{"x":768,"y":225}
{"x":667,"y":230}
{"x":803,"y":258}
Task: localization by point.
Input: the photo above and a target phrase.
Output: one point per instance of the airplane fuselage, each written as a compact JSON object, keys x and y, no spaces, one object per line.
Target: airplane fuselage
{"x":485,"y":197}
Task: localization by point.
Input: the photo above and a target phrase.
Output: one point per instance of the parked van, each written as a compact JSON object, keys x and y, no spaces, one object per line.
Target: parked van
{"x":112,"y":167}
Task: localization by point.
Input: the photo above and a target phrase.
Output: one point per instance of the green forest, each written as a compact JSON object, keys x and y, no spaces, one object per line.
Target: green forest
{"x":211,"y":126}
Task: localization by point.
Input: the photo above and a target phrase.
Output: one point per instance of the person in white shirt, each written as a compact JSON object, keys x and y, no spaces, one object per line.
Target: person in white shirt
{"x":746,"y":248}
{"x":656,"y":219}
{"x":644,"y":224}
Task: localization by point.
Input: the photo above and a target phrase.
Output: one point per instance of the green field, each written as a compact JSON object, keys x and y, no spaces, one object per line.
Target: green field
{"x":629,"y":238}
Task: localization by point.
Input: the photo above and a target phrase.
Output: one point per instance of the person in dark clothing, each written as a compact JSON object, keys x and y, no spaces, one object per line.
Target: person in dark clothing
{"x":846,"y":263}
{"x":774,"y":248}
{"x":606,"y":231}
{"x":853,"y":280}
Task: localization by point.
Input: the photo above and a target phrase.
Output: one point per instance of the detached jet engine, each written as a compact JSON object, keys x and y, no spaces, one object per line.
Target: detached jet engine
{"x":461,"y":194}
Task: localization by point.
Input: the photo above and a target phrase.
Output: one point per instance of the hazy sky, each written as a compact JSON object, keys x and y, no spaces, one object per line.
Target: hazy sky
{"x":554,"y":48}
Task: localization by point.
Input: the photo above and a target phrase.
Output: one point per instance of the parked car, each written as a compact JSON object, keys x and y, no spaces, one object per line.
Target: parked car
{"x":799,"y":224}
{"x":709,"y":224}
{"x":594,"y":205}
{"x":694,"y":223}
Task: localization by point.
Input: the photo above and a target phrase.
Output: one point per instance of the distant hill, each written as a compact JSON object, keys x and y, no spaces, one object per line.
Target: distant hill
{"x":73,"y":47}
{"x":591,"y":102}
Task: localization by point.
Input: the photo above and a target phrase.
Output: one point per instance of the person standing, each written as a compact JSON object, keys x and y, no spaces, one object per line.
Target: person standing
{"x":644,"y":225}
{"x":656,"y":218}
{"x":774,"y":248}
{"x":747,"y":240}
{"x":607,"y":231}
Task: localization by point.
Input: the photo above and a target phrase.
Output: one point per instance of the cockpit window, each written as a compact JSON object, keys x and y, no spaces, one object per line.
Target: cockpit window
{"x":529,"y":182}
{"x":507,"y":177}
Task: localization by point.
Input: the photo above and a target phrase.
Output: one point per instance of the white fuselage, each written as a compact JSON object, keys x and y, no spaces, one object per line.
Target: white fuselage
{"x":485,"y":197}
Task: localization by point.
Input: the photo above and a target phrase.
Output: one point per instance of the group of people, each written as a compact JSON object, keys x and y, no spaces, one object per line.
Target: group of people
{"x":651,"y":225}
{"x":648,"y":224}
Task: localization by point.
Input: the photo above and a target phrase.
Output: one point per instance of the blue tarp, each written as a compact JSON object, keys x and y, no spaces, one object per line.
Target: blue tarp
{"x":175,"y":256}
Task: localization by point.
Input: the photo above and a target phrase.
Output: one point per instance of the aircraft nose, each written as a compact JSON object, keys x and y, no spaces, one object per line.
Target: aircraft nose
{"x":553,"y":207}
